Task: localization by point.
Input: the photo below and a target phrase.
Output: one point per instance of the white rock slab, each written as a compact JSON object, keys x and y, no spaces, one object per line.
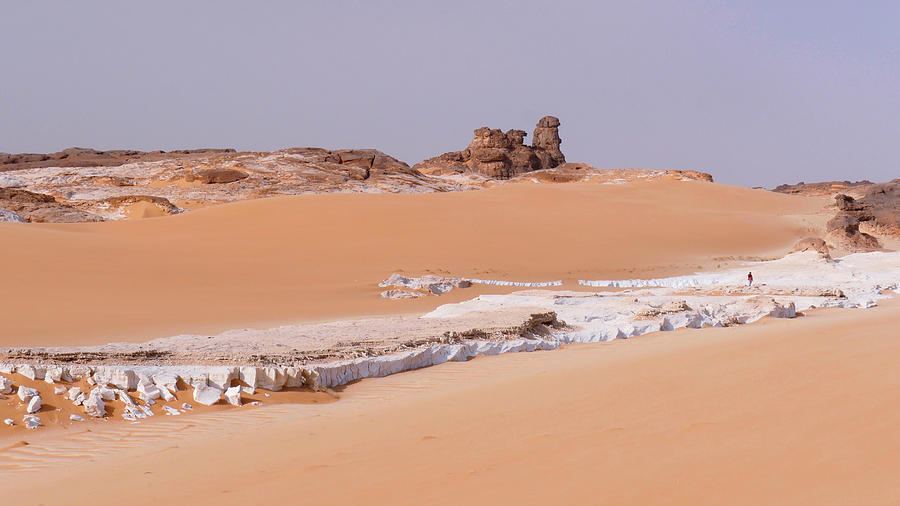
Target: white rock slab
{"x":6,"y":385}
{"x":207,"y":395}
{"x":233,"y":395}
{"x":26,"y":393}
{"x":94,"y":406}
{"x":34,"y":404}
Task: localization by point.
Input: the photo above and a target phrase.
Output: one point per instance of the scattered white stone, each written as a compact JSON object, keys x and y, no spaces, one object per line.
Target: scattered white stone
{"x":31,"y":421}
{"x":166,"y":381}
{"x":76,"y":418}
{"x":207,"y":395}
{"x":78,"y":371}
{"x":6,"y":385}
{"x":166,"y":394}
{"x":54,"y":373}
{"x":59,"y":390}
{"x":9,"y":421}
{"x":78,"y":401}
{"x":31,"y":372}
{"x":25,"y":393}
{"x":170,"y":411}
{"x":34,"y":404}
{"x":233,"y":396}
{"x":73,"y":393}
{"x":94,"y":405}
{"x":147,"y":411}
{"x":124,"y":397}
{"x":186,"y":406}
{"x":268,"y":395}
{"x":107,"y":394}
{"x":248,"y":390}
{"x":148,"y":390}
{"x":90,"y":381}
{"x":147,"y":400}
{"x":126,"y":379}
{"x":7,"y":368}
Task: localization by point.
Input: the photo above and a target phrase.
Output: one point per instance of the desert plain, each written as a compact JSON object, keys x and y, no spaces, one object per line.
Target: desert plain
{"x":557,"y":333}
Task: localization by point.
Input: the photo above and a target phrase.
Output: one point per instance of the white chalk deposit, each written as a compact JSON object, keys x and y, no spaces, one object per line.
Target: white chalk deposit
{"x":783,"y":287}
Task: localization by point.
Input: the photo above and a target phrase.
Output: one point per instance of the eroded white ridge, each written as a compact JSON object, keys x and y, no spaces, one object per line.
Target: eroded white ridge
{"x":496,"y":282}
{"x":795,"y":283}
{"x":859,"y":272}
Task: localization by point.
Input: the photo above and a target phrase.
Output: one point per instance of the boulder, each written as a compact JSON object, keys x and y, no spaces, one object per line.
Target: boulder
{"x":6,"y":385}
{"x":233,"y":396}
{"x":25,"y":393}
{"x":207,"y":395}
{"x":34,"y":404}
{"x":94,"y":405}
{"x":816,"y":244}
{"x":31,"y":421}
{"x":31,"y":372}
{"x":125,"y":379}
{"x":148,"y":390}
{"x":217,"y":176}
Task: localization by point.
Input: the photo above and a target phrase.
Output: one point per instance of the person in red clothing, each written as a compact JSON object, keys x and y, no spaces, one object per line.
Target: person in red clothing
{"x":749,"y":279}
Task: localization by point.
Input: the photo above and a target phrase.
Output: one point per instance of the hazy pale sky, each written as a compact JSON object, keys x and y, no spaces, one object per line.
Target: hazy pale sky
{"x":757,"y":93}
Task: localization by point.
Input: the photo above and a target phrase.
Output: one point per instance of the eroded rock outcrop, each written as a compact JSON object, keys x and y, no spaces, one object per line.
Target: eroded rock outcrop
{"x":96,"y":186}
{"x":501,"y":155}
{"x":39,"y":208}
{"x":816,"y":244}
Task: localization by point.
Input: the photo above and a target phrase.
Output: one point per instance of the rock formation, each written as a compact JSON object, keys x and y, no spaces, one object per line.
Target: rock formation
{"x":495,"y":154}
{"x":111,"y":185}
{"x":843,"y":229}
{"x":39,"y":208}
{"x":816,"y":244}
{"x":865,"y":209}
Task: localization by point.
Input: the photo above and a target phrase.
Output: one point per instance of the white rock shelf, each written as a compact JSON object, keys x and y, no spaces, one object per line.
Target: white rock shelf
{"x":796,"y":283}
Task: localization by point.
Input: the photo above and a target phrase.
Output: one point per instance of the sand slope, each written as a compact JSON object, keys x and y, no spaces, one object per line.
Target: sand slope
{"x":315,"y":257}
{"x":781,"y":412}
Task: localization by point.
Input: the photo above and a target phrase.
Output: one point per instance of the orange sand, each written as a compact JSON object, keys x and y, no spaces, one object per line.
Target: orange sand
{"x":781,"y":412}
{"x":317,"y":257}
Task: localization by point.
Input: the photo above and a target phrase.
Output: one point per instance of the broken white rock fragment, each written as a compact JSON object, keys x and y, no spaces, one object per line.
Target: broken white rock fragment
{"x":59,"y":390}
{"x":233,"y":396}
{"x":76,"y":418}
{"x":25,"y":393}
{"x":6,"y":385}
{"x":207,"y":395}
{"x":9,"y":421}
{"x":34,"y":404}
{"x":31,"y":421}
{"x":166,"y":394}
{"x":148,"y":390}
{"x":94,"y":405}
{"x":31,"y":372}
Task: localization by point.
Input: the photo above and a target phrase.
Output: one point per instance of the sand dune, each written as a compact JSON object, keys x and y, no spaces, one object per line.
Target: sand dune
{"x":319,"y":257}
{"x":781,"y":412}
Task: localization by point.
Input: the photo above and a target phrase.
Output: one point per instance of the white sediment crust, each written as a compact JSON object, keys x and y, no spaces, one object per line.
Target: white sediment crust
{"x":526,"y":284}
{"x":784,"y":287}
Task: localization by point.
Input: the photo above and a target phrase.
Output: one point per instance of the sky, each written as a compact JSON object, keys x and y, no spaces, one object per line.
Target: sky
{"x":756,"y":93}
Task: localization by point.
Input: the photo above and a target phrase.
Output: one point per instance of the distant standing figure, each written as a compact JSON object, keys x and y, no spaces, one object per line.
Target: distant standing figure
{"x":749,"y":279}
